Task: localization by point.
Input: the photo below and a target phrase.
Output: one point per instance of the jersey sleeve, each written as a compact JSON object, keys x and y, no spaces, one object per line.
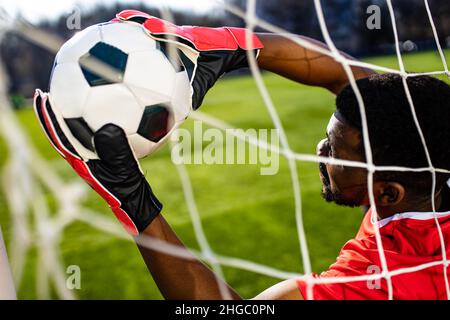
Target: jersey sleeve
{"x":355,"y":259}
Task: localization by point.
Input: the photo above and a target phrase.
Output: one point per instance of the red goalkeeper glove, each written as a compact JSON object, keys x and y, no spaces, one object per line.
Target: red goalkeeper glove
{"x":115,"y":175}
{"x":206,"y":53}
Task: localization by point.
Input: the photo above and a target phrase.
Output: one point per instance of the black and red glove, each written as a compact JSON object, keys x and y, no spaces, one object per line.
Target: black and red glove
{"x":206,"y":53}
{"x":115,"y":175}
{"x":113,"y":171}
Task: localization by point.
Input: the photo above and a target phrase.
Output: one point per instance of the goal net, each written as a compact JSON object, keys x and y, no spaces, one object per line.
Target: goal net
{"x":27,"y":177}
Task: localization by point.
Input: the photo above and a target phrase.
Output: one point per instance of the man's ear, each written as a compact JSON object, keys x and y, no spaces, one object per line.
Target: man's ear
{"x":388,"y":193}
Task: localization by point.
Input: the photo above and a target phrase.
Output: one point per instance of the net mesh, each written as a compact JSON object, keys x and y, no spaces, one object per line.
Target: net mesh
{"x":26,"y":174}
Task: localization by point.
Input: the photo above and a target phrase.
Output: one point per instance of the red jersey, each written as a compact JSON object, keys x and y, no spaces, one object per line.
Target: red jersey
{"x":409,"y":240}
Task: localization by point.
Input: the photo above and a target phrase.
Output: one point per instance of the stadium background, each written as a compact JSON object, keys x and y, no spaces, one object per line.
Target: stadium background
{"x":245,"y":215}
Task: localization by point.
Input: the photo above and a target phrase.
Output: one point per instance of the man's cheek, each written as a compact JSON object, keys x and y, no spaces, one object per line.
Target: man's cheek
{"x":335,"y":175}
{"x":347,"y":177}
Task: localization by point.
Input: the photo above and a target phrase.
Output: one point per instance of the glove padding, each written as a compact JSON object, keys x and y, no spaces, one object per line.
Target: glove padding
{"x":206,"y":53}
{"x":115,"y":176}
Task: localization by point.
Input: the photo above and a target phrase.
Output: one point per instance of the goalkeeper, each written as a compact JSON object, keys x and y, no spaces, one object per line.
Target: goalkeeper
{"x":403,"y":199}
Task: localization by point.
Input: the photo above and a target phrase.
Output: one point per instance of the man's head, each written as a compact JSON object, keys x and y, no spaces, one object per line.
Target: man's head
{"x":394,"y":139}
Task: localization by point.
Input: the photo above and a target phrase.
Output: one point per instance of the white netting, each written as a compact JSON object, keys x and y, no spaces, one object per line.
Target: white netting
{"x":26,"y":174}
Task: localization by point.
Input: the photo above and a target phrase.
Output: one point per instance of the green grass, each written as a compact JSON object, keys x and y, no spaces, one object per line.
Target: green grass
{"x":245,"y":215}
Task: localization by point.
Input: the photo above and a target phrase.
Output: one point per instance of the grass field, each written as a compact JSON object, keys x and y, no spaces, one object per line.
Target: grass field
{"x":245,"y":215}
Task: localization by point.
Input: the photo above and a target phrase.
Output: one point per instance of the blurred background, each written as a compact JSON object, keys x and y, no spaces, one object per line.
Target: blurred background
{"x":244,"y":214}
{"x":346,"y":20}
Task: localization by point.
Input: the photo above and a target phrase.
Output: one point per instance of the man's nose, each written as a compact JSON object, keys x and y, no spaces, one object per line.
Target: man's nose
{"x":321,"y":148}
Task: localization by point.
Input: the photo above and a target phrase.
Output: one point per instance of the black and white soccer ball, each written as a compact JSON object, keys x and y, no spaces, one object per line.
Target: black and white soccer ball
{"x":149,"y":97}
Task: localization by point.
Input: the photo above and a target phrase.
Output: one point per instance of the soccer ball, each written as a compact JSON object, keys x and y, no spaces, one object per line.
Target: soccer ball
{"x":149,"y":96}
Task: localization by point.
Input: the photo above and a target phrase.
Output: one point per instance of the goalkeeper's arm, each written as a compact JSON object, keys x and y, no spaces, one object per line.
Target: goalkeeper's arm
{"x":188,"y":279}
{"x":216,"y":51}
{"x":288,"y":59}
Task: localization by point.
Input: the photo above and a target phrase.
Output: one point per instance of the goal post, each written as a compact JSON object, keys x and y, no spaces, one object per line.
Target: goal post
{"x":7,"y":288}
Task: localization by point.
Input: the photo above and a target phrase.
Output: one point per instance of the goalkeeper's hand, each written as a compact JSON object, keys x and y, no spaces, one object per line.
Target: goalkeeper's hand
{"x":115,"y":175}
{"x":207,"y":53}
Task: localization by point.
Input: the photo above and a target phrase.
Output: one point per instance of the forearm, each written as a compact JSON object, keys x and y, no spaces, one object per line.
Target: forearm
{"x":290,"y":60}
{"x":179,"y":278}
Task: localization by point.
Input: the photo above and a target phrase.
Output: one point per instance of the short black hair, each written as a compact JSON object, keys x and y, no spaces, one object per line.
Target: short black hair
{"x":394,"y":137}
